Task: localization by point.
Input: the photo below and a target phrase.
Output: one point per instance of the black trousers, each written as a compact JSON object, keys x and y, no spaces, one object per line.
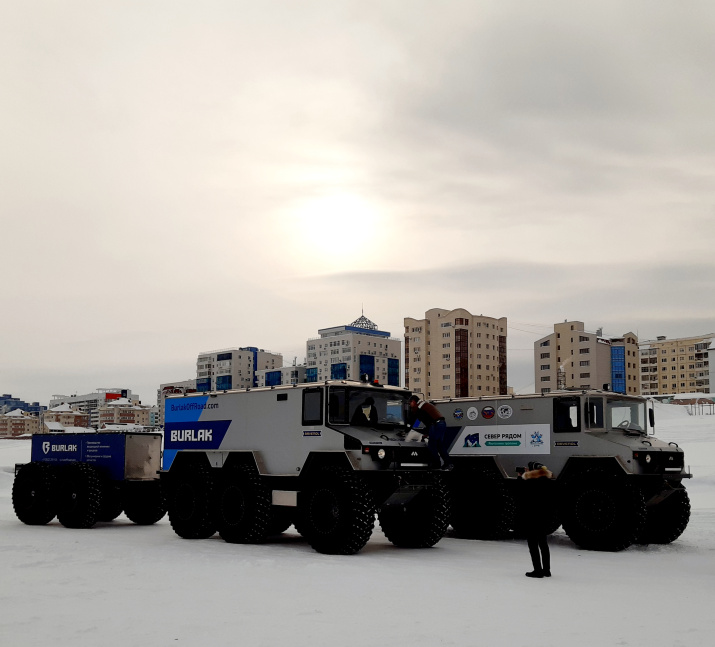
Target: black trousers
{"x":539,"y":551}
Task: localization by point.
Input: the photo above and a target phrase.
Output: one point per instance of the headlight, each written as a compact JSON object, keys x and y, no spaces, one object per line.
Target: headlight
{"x":647,"y":458}
{"x":381,"y":453}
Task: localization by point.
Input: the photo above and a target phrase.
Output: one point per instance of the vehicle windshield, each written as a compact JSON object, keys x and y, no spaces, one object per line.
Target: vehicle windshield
{"x":629,"y":415}
{"x":367,"y":407}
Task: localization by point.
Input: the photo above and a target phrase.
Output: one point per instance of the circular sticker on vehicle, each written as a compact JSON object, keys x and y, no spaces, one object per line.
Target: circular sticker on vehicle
{"x":472,"y":413}
{"x":505,"y":411}
{"x":488,"y":412}
{"x":458,"y":414}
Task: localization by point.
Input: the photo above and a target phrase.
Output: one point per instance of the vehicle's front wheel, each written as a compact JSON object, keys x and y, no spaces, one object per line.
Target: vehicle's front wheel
{"x":80,"y":496}
{"x":422,"y":522}
{"x":33,"y":494}
{"x":601,"y":511}
{"x":336,"y":513}
{"x":667,"y":520}
{"x":243,"y":505}
{"x":190,"y":502}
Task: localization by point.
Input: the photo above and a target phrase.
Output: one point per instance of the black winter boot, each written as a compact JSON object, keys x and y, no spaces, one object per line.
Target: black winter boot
{"x":536,"y":574}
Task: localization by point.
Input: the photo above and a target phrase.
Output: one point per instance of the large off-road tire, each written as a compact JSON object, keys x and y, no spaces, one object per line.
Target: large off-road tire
{"x":482,"y":505}
{"x":667,"y":520}
{"x":79,"y":496}
{"x":34,"y":494}
{"x":336,"y":513}
{"x":144,"y":501}
{"x":243,"y":505}
{"x":281,"y":519}
{"x":111,"y":502}
{"x":190,"y":502}
{"x":422,"y":522}
{"x":601,"y":511}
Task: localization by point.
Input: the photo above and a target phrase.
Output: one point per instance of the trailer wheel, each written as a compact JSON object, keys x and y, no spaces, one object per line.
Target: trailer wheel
{"x":483,"y":507}
{"x":144,"y":502}
{"x":243,"y":505}
{"x":422,"y":522}
{"x":335,"y":512}
{"x":111,"y":506}
{"x":189,"y":502}
{"x":33,"y":494}
{"x":667,"y":520}
{"x":601,"y":511}
{"x":80,"y":496}
{"x":281,"y":519}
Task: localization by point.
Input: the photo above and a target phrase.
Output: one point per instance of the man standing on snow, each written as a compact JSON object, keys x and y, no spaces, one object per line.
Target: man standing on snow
{"x":435,"y":429}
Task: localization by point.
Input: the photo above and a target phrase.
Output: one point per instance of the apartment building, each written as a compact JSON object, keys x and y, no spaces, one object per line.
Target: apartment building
{"x":295,"y":374}
{"x":9,"y":403}
{"x":91,"y":402}
{"x":572,"y":357}
{"x":124,"y":411}
{"x":348,"y":352}
{"x":66,"y":415}
{"x":233,"y":368}
{"x":18,"y":423}
{"x":454,"y":354}
{"x":681,"y":365}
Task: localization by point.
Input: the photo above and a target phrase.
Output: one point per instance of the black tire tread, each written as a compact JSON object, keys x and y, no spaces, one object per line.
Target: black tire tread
{"x":80,"y":498}
{"x":482,"y":505}
{"x":666,"y":521}
{"x":144,"y":502}
{"x":192,"y":519}
{"x":33,"y":494}
{"x":252,"y":525}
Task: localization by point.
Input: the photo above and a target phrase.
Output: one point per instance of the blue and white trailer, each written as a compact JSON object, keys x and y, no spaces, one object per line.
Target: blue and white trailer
{"x":82,"y":478}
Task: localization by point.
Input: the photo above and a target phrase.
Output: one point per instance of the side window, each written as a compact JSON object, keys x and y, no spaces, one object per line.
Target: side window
{"x":337,"y":409}
{"x":313,"y":407}
{"x":566,"y":415}
{"x":593,"y":413}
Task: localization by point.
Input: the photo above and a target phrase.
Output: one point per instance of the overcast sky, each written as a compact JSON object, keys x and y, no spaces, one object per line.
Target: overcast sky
{"x":179,"y":177}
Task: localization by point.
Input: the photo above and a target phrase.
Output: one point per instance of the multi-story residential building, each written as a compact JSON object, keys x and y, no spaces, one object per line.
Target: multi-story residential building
{"x":66,"y":415}
{"x":295,"y":374}
{"x":90,"y":402}
{"x":682,"y":365}
{"x":572,"y":357}
{"x":233,"y":368}
{"x":452,"y":353}
{"x":349,"y":352}
{"x":9,"y":403}
{"x":181,"y":386}
{"x":124,"y":411}
{"x":18,"y":423}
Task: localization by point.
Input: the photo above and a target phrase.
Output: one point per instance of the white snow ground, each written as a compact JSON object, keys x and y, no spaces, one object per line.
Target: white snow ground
{"x":121,"y":584}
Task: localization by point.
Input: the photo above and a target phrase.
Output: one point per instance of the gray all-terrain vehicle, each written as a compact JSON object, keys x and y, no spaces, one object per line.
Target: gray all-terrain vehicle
{"x":615,"y":483}
{"x":90,"y":477}
{"x":324,"y":457}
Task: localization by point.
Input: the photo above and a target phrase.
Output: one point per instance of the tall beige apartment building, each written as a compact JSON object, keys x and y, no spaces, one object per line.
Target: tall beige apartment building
{"x":454,"y":354}
{"x":233,"y":368}
{"x":679,"y":365}
{"x":571,"y":357}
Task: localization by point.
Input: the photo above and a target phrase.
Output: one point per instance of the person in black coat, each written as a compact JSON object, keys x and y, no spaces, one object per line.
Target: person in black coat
{"x":536,"y":487}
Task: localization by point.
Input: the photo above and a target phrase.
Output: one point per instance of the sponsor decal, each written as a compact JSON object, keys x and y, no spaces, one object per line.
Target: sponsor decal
{"x":488,"y":413}
{"x":503,"y":440}
{"x":306,"y":432}
{"x":566,"y":443}
{"x":191,"y":435}
{"x":472,"y":440}
{"x":47,"y":448}
{"x":472,"y":413}
{"x":537,"y":439}
{"x":458,"y":414}
{"x":504,"y":411}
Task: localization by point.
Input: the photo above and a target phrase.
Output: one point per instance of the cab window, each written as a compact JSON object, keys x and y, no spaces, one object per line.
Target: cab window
{"x":313,"y":407}
{"x":566,"y":415}
{"x":593,"y":413}
{"x":337,"y":406}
